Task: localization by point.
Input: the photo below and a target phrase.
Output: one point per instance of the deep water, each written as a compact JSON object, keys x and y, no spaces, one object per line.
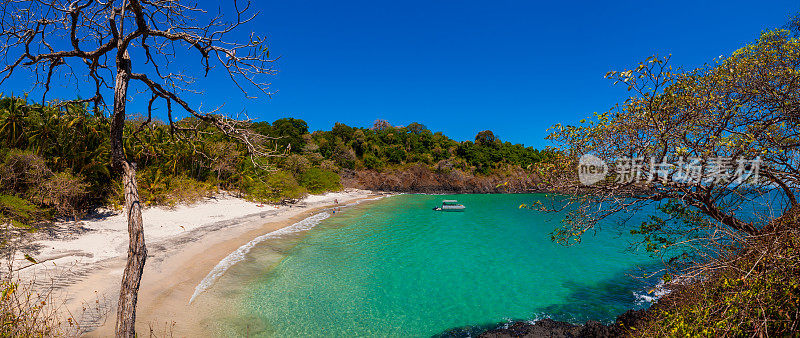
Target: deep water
{"x":394,"y":267}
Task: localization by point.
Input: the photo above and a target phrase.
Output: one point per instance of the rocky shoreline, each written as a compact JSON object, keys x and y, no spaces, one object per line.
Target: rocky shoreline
{"x":421,"y":179}
{"x":551,"y":328}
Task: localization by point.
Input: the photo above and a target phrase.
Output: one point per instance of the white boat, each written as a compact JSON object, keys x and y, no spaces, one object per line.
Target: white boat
{"x":450,"y":205}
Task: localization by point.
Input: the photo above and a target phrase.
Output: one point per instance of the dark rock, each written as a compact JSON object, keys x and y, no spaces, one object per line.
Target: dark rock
{"x":552,"y":328}
{"x":630,"y":318}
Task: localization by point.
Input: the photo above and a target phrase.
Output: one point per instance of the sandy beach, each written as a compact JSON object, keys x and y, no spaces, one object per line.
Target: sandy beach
{"x":83,"y":262}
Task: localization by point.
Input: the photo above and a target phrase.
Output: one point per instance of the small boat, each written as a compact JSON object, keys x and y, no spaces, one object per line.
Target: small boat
{"x":450,"y":205}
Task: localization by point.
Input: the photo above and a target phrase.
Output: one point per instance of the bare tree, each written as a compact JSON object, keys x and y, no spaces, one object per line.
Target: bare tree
{"x":117,"y":45}
{"x":381,"y":125}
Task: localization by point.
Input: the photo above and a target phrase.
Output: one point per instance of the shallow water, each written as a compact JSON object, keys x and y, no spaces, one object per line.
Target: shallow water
{"x":394,"y":267}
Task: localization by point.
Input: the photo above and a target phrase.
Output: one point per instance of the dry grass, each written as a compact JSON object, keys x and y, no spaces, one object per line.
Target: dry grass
{"x":754,"y":292}
{"x":30,"y":308}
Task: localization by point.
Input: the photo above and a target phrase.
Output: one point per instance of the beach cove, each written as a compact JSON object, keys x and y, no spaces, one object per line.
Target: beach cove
{"x":394,"y":267}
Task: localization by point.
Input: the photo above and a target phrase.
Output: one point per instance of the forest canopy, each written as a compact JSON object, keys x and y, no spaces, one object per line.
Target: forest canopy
{"x":54,"y":159}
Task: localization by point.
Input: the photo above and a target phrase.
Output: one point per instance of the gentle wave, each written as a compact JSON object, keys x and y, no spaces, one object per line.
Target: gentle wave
{"x":240,"y":253}
{"x":651,"y":295}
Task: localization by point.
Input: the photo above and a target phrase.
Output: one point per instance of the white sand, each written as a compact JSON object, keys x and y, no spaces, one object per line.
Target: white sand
{"x":106,"y":236}
{"x":86,"y":259}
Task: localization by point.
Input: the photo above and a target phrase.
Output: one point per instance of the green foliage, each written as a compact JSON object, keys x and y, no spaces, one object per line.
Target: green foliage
{"x":288,"y":131}
{"x":19,"y":212}
{"x":663,"y":233}
{"x":486,"y":138}
{"x":372,"y":162}
{"x":12,"y":114}
{"x":275,"y":187}
{"x":156,"y":188}
{"x":417,"y":128}
{"x":57,"y":158}
{"x":68,"y":138}
{"x":384,"y":146}
{"x":319,"y":180}
{"x":343,"y":155}
{"x":732,"y":110}
{"x":297,"y":164}
{"x":395,"y":154}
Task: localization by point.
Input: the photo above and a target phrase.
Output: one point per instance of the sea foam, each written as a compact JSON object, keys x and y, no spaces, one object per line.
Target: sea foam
{"x":239,"y":254}
{"x":652,"y":294}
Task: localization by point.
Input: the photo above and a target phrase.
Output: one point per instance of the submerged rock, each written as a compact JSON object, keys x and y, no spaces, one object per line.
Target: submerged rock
{"x":551,"y":328}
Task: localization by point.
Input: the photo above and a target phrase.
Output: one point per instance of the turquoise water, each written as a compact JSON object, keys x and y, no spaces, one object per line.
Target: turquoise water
{"x":394,"y":267}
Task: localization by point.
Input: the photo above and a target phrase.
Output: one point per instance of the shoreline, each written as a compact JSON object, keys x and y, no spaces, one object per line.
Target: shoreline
{"x":86,"y":277}
{"x":176,"y":267}
{"x":313,"y":218}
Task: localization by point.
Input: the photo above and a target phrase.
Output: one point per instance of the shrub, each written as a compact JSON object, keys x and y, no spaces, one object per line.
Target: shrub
{"x":21,"y":170}
{"x":155,"y":188}
{"x":34,"y":309}
{"x":24,"y":313}
{"x":344,"y":156}
{"x":187,"y":190}
{"x":275,"y":187}
{"x":329,"y":165}
{"x":64,"y":192}
{"x":297,"y":164}
{"x":420,"y":158}
{"x":318,"y":180}
{"x":444,"y":166}
{"x":314,"y":158}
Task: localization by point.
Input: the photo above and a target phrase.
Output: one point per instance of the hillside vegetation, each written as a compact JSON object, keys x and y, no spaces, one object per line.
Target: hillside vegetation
{"x":414,"y":159}
{"x":54,"y":161}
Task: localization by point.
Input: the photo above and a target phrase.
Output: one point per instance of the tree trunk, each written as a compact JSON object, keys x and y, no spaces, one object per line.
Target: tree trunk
{"x":137,"y":254}
{"x":118,"y":117}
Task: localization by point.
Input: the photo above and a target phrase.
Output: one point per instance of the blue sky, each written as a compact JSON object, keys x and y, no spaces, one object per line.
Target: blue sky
{"x":514,"y":67}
